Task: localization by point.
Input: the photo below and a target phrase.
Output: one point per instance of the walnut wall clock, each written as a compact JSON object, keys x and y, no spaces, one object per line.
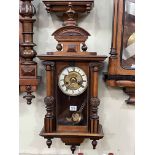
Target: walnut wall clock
{"x":71,"y":80}
{"x":121,"y":72}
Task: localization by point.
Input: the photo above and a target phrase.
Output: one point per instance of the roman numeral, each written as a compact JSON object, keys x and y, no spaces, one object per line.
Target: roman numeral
{"x":68,"y":70}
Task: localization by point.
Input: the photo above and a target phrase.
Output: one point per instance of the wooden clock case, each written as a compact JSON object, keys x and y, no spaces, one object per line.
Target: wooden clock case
{"x":28,"y":79}
{"x":118,"y":76}
{"x":71,"y":51}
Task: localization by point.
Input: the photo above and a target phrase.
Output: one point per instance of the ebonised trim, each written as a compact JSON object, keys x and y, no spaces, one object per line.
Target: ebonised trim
{"x":119,"y":77}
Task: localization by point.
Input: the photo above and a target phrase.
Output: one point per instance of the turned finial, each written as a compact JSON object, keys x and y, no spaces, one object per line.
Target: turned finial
{"x":29,"y":95}
{"x":73,"y":148}
{"x":49,"y":142}
{"x":70,"y":21}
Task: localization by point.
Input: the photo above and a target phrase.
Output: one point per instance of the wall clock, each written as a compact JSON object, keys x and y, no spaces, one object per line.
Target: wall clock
{"x":121,"y":70}
{"x":71,"y":80}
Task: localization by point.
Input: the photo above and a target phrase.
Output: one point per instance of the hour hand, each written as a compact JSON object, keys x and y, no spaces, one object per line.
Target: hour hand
{"x":80,"y":82}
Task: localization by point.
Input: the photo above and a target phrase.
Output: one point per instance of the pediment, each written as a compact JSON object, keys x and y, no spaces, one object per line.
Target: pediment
{"x":71,"y":31}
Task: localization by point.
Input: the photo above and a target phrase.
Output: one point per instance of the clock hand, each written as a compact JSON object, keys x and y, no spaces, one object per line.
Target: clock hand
{"x":80,"y":82}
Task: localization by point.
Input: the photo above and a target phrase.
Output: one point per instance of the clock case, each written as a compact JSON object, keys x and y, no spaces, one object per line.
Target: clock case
{"x":28,"y":78}
{"x":119,"y":76}
{"x":71,"y":52}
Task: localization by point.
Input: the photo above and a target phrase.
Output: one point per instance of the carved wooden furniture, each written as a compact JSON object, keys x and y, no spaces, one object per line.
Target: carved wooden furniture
{"x":61,"y":6}
{"x":121,"y":71}
{"x":71,"y":80}
{"x":28,"y":79}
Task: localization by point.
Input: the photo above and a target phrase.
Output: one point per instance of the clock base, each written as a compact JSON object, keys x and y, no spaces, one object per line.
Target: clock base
{"x":74,"y":138}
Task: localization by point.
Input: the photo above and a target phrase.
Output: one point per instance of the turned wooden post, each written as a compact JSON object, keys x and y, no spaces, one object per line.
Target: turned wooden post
{"x":95,"y":81}
{"x":113,"y":53}
{"x":27,"y":11}
{"x":49,"y":120}
{"x":28,"y":79}
{"x":94,"y":101}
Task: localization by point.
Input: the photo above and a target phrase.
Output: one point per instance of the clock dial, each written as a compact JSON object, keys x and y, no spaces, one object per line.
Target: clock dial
{"x":72,"y":81}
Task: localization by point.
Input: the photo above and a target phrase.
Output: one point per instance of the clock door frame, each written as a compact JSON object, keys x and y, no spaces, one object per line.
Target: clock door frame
{"x":85,"y":67}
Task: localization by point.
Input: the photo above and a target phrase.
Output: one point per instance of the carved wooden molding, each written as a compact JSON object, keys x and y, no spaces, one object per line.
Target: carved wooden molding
{"x":28,"y":67}
{"x":79,"y":6}
{"x":95,"y":102}
{"x":69,"y":10}
{"x":99,"y":65}
{"x":48,"y":63}
{"x":27,"y":11}
{"x":49,"y":101}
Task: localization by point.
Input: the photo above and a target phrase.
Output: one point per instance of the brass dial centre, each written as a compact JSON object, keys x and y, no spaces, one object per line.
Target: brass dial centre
{"x":73,"y":80}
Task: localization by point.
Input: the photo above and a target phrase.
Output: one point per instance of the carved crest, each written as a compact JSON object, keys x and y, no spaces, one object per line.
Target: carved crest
{"x":71,"y":33}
